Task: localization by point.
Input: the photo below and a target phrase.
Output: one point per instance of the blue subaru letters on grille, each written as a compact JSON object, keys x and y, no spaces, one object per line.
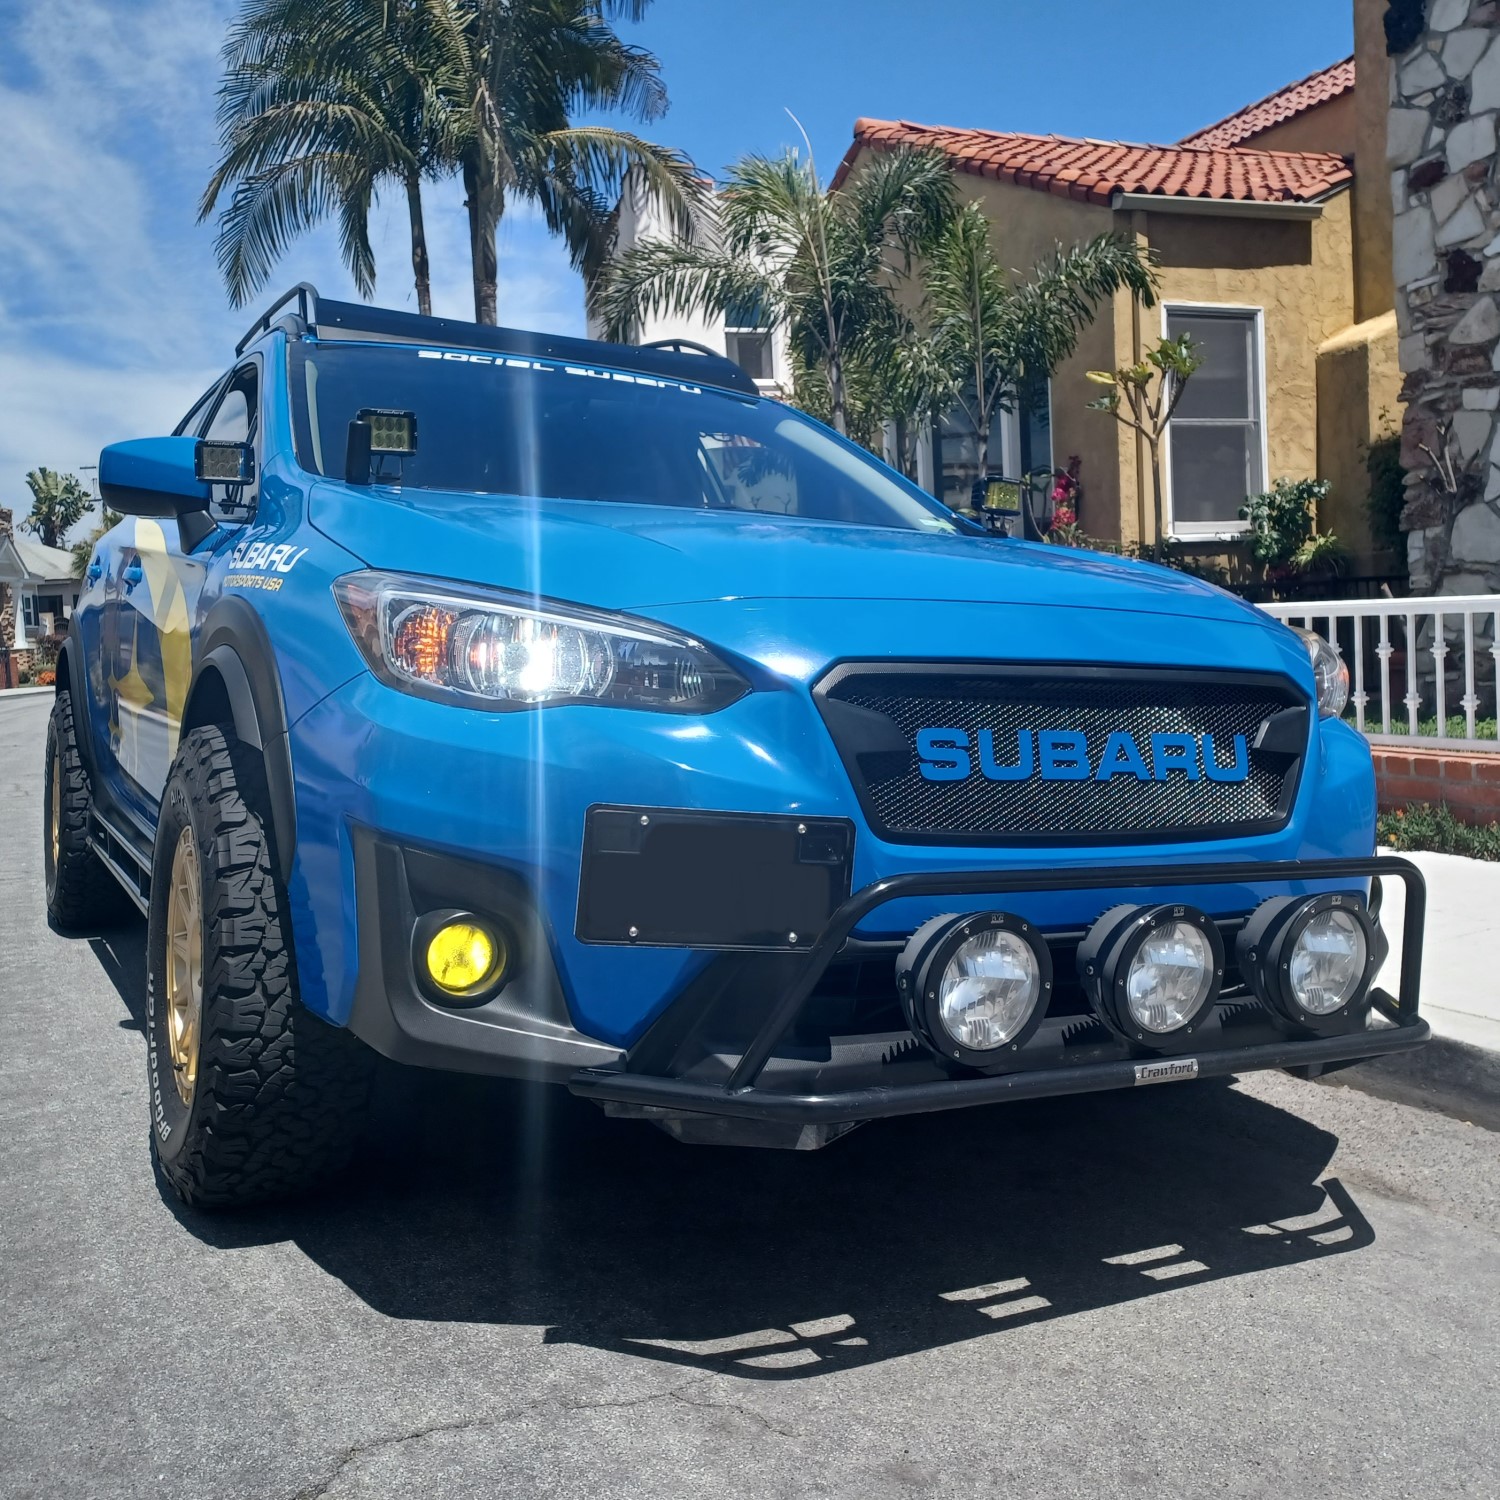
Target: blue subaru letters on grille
{"x":1064,"y":755}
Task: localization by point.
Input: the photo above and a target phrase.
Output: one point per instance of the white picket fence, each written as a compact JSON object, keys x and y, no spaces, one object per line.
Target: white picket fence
{"x":1421,"y":637}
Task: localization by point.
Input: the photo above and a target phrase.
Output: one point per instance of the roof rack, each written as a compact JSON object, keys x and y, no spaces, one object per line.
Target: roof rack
{"x":326,"y":319}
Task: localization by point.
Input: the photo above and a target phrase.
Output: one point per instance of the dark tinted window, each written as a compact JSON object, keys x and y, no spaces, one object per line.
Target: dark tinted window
{"x":504,"y":426}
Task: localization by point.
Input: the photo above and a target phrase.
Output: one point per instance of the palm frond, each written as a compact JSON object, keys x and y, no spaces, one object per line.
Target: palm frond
{"x":662,"y":276}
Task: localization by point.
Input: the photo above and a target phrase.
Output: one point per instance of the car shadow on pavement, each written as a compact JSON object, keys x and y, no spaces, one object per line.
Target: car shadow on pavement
{"x":475,"y":1200}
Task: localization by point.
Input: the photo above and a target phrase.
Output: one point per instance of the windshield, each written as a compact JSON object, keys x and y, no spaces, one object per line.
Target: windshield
{"x":538,"y":428}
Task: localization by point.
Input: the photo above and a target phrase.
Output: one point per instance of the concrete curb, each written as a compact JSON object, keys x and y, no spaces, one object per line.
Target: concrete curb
{"x":25,"y":692}
{"x":1449,"y":1077}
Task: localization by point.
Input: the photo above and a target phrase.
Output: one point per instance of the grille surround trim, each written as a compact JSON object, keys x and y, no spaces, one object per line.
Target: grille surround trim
{"x":1275,"y":686}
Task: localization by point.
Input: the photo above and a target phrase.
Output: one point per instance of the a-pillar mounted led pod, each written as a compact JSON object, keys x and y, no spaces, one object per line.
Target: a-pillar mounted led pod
{"x":975,"y":988}
{"x":1152,"y":973}
{"x":1310,"y":960}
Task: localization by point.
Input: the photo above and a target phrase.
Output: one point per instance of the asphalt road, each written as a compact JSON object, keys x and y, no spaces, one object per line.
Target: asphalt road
{"x":1277,"y":1288}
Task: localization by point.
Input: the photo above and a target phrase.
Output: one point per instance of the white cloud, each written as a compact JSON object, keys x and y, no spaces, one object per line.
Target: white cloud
{"x":114,"y":317}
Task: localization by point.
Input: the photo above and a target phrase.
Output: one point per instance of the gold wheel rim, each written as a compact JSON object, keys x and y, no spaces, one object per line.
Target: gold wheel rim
{"x":184,"y":976}
{"x":54,"y":811}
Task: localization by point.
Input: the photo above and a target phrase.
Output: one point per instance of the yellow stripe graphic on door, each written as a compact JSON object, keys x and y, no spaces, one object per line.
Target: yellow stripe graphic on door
{"x":169,"y":610}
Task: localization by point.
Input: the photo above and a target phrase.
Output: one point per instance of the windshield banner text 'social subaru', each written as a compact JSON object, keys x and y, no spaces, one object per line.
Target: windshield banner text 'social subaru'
{"x":524,"y":705}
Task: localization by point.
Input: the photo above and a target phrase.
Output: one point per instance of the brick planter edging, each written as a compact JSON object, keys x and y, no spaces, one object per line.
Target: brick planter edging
{"x":1469,"y":784}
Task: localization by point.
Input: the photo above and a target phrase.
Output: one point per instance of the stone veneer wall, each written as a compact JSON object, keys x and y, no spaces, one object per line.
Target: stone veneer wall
{"x":1442,"y":147}
{"x":7,"y":593}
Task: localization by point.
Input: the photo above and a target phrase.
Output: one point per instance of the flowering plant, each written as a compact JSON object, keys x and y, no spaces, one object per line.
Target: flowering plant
{"x":1065,"y":495}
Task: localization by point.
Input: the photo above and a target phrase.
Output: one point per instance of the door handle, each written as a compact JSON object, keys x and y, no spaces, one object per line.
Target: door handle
{"x":133,"y":574}
{"x":96,"y":571}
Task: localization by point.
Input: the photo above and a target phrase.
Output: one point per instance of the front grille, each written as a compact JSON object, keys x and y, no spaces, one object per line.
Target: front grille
{"x":876,"y":711}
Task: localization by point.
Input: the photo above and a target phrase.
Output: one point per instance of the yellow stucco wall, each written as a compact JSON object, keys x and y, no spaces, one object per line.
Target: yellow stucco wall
{"x":1027,"y":226}
{"x":1328,"y":127}
{"x":1358,"y":378}
{"x":1299,"y":272}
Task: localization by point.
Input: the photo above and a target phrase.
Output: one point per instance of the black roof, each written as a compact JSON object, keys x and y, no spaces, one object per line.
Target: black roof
{"x":674,"y":360}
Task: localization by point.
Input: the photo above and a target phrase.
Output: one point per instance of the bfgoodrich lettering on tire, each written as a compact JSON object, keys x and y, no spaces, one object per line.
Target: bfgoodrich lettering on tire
{"x":81,"y":893}
{"x":252,"y":1096}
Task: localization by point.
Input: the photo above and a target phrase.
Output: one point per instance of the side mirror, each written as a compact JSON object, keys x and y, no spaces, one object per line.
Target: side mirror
{"x":153,"y":477}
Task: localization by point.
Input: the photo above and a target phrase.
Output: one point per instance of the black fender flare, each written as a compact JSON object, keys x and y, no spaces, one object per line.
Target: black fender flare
{"x":234,"y":649}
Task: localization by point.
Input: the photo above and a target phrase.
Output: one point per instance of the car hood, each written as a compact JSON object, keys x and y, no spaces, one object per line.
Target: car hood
{"x":642,"y":558}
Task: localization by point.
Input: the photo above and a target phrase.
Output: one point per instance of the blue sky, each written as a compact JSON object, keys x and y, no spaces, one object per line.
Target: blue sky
{"x":112,"y":313}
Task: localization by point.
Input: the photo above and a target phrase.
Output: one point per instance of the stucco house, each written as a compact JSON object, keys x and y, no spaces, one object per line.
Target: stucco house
{"x":1275,"y":255}
{"x":37,"y":589}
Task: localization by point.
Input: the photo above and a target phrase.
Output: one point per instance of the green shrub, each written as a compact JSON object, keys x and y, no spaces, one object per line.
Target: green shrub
{"x":1435,"y":829}
{"x":1387,"y":493}
{"x":1282,"y":536}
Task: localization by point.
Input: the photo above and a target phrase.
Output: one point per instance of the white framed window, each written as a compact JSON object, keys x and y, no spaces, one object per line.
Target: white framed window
{"x":28,"y":610}
{"x":1214,"y":456}
{"x":750,"y":349}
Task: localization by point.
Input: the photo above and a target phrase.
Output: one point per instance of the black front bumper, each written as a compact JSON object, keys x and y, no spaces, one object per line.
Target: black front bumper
{"x":676,"y":1070}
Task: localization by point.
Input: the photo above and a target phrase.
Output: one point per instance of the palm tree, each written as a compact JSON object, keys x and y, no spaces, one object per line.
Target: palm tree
{"x":916,"y":388}
{"x":995,"y":336}
{"x":58,"y":503}
{"x":528,"y":66}
{"x":322,"y":102}
{"x":818,"y":264}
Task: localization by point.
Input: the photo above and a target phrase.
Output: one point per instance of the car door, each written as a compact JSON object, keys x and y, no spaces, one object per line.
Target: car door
{"x":160,"y":585}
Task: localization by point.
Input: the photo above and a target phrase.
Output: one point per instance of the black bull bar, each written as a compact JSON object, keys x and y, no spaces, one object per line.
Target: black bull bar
{"x":740,"y":1096}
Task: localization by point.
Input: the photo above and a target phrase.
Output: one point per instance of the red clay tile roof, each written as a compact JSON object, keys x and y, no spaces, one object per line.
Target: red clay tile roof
{"x":1094,"y":171}
{"x":1274,"y":109}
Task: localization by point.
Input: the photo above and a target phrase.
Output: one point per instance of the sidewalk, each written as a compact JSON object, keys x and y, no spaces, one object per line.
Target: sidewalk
{"x":1461,"y":951}
{"x":1458,"y":1071}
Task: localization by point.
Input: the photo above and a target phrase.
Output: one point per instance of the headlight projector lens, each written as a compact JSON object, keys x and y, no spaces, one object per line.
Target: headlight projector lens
{"x":975,"y":988}
{"x":1152,"y":973}
{"x":1310,"y":960}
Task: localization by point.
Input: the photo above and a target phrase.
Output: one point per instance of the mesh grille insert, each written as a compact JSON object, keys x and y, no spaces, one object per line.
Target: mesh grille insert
{"x":902,"y":804}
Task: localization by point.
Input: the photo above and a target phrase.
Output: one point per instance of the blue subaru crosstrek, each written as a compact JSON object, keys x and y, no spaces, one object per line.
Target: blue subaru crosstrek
{"x":531,"y":706}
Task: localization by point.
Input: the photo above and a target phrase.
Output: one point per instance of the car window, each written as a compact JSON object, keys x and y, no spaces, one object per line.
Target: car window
{"x":236,"y":420}
{"x":546,"y":429}
{"x":191,"y":423}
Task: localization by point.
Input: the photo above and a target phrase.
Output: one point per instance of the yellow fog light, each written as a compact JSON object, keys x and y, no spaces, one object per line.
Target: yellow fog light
{"x":464,"y":959}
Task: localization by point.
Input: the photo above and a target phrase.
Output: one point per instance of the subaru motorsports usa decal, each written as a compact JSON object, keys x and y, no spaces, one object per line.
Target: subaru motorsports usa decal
{"x":523,"y":705}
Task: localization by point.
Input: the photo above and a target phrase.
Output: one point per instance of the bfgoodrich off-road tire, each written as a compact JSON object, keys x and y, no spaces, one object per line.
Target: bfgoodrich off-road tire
{"x":276,"y":1096}
{"x":81,"y":893}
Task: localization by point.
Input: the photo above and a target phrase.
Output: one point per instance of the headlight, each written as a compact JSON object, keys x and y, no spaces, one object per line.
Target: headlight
{"x":485,"y":649}
{"x":975,"y":988}
{"x":1329,"y":673}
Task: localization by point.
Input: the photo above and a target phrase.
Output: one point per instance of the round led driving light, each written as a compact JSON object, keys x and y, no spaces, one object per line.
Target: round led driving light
{"x":1169,"y":978}
{"x":1327,"y":963}
{"x":458,"y":958}
{"x":975,"y":988}
{"x":1152,"y":973}
{"x":1310,"y":959}
{"x":988,"y":989}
